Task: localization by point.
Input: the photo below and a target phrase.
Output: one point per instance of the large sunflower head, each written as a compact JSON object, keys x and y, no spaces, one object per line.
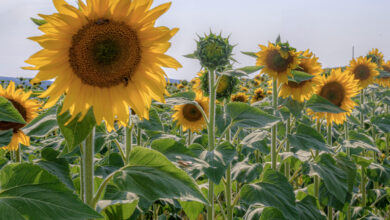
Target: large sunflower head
{"x":258,"y":95}
{"x":376,"y":56}
{"x":107,"y":55}
{"x":303,"y":90}
{"x":385,"y":81}
{"x":240,"y":97}
{"x":27,"y":108}
{"x":363,"y":70}
{"x":339,"y":88}
{"x":278,"y":61}
{"x":189,"y":116}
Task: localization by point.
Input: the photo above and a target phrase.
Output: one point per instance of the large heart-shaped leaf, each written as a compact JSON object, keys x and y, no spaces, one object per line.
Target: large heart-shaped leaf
{"x":30,"y":192}
{"x":43,"y":124}
{"x":320,"y":104}
{"x":9,"y":113}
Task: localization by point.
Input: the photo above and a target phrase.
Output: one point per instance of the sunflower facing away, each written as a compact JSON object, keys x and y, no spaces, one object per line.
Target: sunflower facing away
{"x":27,"y":108}
{"x":258,"y":95}
{"x":363,"y":70}
{"x":189,"y":116}
{"x":240,"y":97}
{"x":339,"y":88}
{"x":376,"y":56}
{"x":277,"y":62}
{"x":304,"y":90}
{"x":107,"y":55}
{"x":385,"y":81}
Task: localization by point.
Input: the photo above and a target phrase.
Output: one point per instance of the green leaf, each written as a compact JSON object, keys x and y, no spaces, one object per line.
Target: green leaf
{"x":307,"y":138}
{"x":294,"y":107}
{"x":5,"y":137}
{"x":307,"y":209}
{"x":8,"y":113}
{"x":250,"y":69}
{"x":191,"y":56}
{"x":383,"y":74}
{"x":38,"y":22}
{"x":43,"y":124}
{"x":359,"y":140}
{"x":257,"y":140}
{"x":237,"y":73}
{"x":319,"y":104}
{"x":379,"y":173}
{"x":382,"y":122}
{"x":273,"y":191}
{"x":218,"y":161}
{"x":244,"y":115}
{"x":251,"y":54}
{"x":299,"y":76}
{"x":188,"y":95}
{"x":29,"y":192}
{"x":271,"y":213}
{"x":75,"y":132}
{"x":164,"y":180}
{"x":336,"y":179}
{"x":117,"y":209}
{"x":154,"y":122}
{"x":244,"y":172}
{"x":58,"y":167}
{"x":192,"y":209}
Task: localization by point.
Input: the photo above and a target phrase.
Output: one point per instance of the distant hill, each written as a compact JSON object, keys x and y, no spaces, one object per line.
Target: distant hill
{"x":44,"y":84}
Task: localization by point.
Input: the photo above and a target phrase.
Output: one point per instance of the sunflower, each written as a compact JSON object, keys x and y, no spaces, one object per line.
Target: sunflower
{"x":277,"y":63}
{"x":180,"y":86}
{"x":256,"y":83}
{"x":27,"y":108}
{"x":244,"y":89}
{"x":226,"y":86}
{"x":240,"y":97}
{"x":106,"y":55}
{"x":304,"y":90}
{"x":363,"y":70}
{"x":376,"y":56}
{"x":189,"y":116}
{"x":258,"y":95}
{"x":339,"y":88}
{"x":384,"y":81}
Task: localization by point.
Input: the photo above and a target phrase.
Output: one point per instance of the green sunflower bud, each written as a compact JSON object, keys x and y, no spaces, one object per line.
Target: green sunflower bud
{"x":213,"y":51}
{"x":226,"y":87}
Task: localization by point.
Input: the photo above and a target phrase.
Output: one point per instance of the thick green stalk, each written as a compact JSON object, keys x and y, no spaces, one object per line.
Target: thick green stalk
{"x":189,"y":137}
{"x":211,"y":141}
{"x":274,"y":155}
{"x":346,"y":133}
{"x":363,"y":187}
{"x":330,"y":209}
{"x":361,"y":105}
{"x":139,"y":136}
{"x":228,"y":185}
{"x":129,"y":140}
{"x":82,"y":196}
{"x":89,"y":168}
{"x":18,"y":154}
{"x":288,"y":130}
{"x":316,"y":177}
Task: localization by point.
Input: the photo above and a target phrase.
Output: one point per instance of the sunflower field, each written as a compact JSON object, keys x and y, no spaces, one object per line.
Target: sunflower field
{"x":113,"y":138}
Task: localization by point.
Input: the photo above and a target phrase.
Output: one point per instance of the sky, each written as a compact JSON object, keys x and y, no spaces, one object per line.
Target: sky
{"x":329,"y":28}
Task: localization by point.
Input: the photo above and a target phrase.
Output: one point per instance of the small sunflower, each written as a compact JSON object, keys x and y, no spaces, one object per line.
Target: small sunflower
{"x":339,"y":88}
{"x":240,"y":97}
{"x":256,"y":83}
{"x":244,"y":89}
{"x":259,"y":78}
{"x":304,"y":90}
{"x":277,"y":62}
{"x":363,"y":70}
{"x":107,"y":55}
{"x":385,"y":81}
{"x":376,"y":56}
{"x":180,"y":86}
{"x":258,"y":95}
{"x":27,"y":108}
{"x":189,"y":116}
{"x":227,"y":85}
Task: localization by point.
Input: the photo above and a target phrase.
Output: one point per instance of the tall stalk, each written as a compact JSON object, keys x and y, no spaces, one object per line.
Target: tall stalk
{"x":274,"y":155}
{"x":316,"y":177}
{"x":189,"y":137}
{"x":18,"y":154}
{"x":330,"y":209}
{"x":287,"y":164}
{"x":361,"y":105}
{"x":129,"y":140}
{"x":139,"y":136}
{"x":346,"y":133}
{"x":228,"y":185}
{"x":211,"y":141}
{"x":89,"y":168}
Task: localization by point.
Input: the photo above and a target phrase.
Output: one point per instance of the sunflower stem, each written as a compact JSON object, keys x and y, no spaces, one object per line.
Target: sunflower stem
{"x":316,"y":177}
{"x":189,"y":137}
{"x":363,"y":187}
{"x":273,"y":129}
{"x":129,"y":139}
{"x":211,"y":141}
{"x":82,"y":196}
{"x":18,"y":154}
{"x":139,"y":136}
{"x":330,"y":209}
{"x":287,"y":164}
{"x":89,"y":168}
{"x":361,"y":106}
{"x":228,"y":185}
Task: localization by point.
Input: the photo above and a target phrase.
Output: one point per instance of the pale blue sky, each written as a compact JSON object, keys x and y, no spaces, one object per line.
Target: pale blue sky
{"x":328,"y":27}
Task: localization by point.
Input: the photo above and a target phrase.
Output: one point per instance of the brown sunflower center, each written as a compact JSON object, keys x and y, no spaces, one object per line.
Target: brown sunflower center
{"x":295,"y":85}
{"x":4,"y":125}
{"x":191,"y":112}
{"x":105,"y":53}
{"x":239,"y":98}
{"x":334,"y":92}
{"x":259,"y":95}
{"x":361,"y":72}
{"x":276,"y":62}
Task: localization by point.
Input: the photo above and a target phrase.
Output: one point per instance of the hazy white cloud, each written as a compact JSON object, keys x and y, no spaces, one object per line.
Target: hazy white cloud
{"x":329,"y":28}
